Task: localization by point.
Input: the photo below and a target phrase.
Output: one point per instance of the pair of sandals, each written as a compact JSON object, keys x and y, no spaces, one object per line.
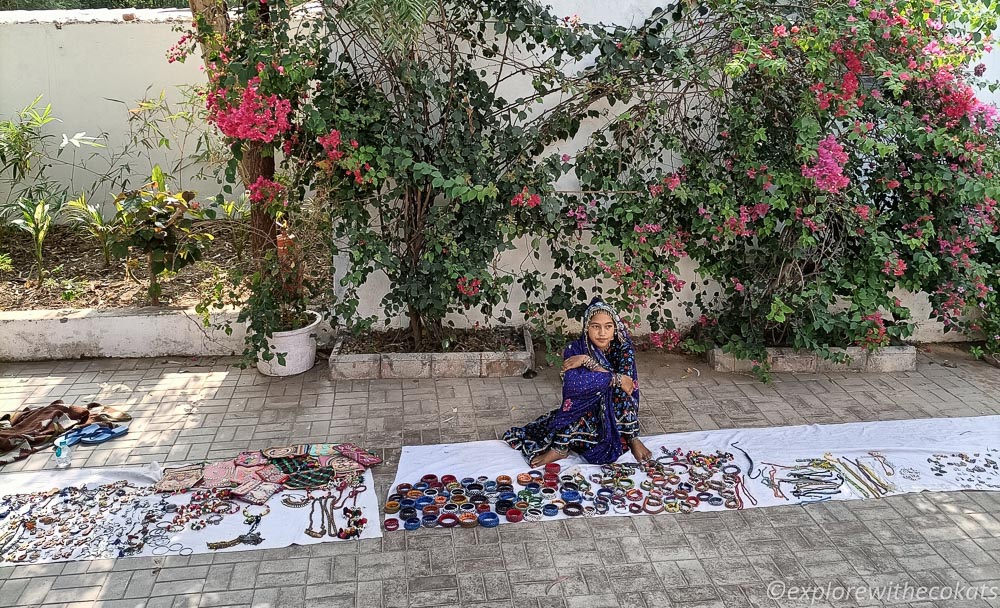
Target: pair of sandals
{"x":101,"y":426}
{"x":96,"y":433}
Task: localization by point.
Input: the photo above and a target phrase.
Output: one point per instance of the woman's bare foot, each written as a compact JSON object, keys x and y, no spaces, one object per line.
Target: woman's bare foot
{"x":543,"y":459}
{"x":639,"y":450}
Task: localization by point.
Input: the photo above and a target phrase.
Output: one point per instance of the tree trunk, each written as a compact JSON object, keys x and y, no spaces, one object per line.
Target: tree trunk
{"x":216,"y":15}
{"x":414,"y":326}
{"x":258,"y":161}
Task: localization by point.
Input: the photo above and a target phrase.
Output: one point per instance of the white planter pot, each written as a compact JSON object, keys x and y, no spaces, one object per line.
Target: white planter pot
{"x":299,"y":346}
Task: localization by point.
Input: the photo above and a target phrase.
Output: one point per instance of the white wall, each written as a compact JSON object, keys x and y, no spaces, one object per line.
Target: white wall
{"x":78,"y":60}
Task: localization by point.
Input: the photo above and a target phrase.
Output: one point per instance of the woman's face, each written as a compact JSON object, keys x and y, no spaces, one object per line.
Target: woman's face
{"x":601,"y":330}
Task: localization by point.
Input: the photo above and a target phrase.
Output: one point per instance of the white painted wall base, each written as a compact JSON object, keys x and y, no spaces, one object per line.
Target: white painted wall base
{"x":35,"y":335}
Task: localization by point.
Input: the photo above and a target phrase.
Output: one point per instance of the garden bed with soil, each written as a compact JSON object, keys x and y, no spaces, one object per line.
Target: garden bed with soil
{"x":75,"y":275}
{"x":492,"y":353}
{"x":499,"y":339}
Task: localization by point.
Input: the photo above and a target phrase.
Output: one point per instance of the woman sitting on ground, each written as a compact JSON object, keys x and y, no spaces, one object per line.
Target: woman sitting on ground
{"x":599,"y":417}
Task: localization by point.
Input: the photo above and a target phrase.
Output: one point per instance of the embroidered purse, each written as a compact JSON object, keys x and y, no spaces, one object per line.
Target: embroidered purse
{"x":219,"y":475}
{"x":250,"y":459}
{"x":272,"y":474}
{"x":358,"y":454}
{"x":175,"y":480}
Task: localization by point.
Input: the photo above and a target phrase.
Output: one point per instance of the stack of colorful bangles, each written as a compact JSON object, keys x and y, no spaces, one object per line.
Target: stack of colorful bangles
{"x":676,"y":482}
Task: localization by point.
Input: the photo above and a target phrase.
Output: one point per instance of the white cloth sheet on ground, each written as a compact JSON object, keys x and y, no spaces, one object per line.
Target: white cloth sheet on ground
{"x":282,"y":527}
{"x":905,"y":444}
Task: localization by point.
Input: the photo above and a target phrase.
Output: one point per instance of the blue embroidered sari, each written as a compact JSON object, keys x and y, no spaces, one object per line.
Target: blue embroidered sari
{"x":596,"y":420}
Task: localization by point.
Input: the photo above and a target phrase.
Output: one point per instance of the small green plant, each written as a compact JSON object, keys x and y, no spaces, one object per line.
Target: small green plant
{"x":90,"y":218}
{"x":36,"y":216}
{"x":237,"y":213}
{"x":6,"y":263}
{"x":21,"y":140}
{"x":160,"y":225}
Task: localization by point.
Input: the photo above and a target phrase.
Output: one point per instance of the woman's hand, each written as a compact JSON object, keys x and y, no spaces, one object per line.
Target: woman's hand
{"x":574,"y":361}
{"x":639,"y":451}
{"x":627,"y":384}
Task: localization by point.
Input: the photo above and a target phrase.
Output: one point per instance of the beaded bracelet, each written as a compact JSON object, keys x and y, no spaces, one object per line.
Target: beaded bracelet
{"x":431,"y":511}
{"x":392,"y":506}
{"x":523,"y":479}
{"x":429,"y":521}
{"x":553,"y":468}
{"x":469,"y":520}
{"x":448,"y":479}
{"x":411,"y":524}
{"x":533,"y":515}
{"x":489,"y":520}
{"x":467,"y":481}
{"x":573,"y":509}
{"x":407,"y":513}
{"x":428,"y":479}
{"x":392,"y":524}
{"x":448,"y":520}
{"x":550,"y":510}
{"x":483,"y":508}
{"x":403,"y":488}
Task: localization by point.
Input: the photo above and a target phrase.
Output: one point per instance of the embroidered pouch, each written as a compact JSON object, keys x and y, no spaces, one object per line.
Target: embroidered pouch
{"x":174,"y":480}
{"x":246,"y":473}
{"x":219,"y":475}
{"x":272,"y":474}
{"x":250,"y":459}
{"x":309,"y":478}
{"x":246,"y":487}
{"x":322,"y":449}
{"x":279,"y":452}
{"x":289,"y":465}
{"x":358,"y":454}
{"x":261,"y":493}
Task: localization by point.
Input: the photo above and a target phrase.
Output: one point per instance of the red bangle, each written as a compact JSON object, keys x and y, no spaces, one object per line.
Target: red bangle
{"x":514,"y":515}
{"x":431,"y":510}
{"x":504,"y":480}
{"x":483,"y":508}
{"x":448,"y":520}
{"x":553,"y":468}
{"x":446,"y":479}
{"x":524,"y":478}
{"x":392,"y":524}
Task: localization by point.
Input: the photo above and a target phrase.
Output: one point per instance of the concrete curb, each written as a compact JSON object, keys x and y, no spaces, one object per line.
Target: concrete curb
{"x":40,"y":335}
{"x":432,"y":365}
{"x":790,"y":360}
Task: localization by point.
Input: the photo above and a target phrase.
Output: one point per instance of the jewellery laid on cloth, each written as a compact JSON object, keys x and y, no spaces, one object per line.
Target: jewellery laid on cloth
{"x":969,"y":470}
{"x":105,"y":521}
{"x":252,"y":517}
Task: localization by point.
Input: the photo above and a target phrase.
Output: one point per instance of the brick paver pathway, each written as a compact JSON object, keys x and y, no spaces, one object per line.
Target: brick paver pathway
{"x":190,"y":411}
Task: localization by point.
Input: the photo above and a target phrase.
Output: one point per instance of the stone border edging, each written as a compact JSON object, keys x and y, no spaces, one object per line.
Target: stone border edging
{"x":40,"y":335}
{"x":432,"y":365}
{"x":790,"y":360}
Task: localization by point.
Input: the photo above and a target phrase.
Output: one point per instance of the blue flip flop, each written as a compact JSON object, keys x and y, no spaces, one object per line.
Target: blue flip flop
{"x":104,"y":434}
{"x":76,"y":435}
